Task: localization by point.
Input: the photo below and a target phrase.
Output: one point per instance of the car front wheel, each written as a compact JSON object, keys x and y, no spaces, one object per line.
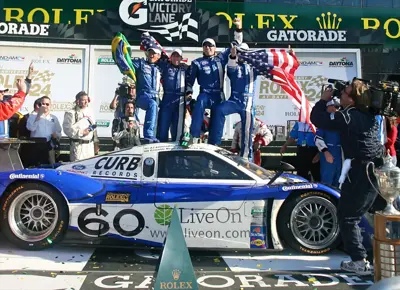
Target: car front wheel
{"x":308,"y":223}
{"x":34,"y":216}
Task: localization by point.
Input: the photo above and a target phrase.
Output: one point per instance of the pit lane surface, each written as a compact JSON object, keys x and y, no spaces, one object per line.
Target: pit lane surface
{"x":67,"y":268}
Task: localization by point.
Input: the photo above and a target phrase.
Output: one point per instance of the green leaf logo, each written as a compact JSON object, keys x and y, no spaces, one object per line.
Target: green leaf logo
{"x":163,"y":214}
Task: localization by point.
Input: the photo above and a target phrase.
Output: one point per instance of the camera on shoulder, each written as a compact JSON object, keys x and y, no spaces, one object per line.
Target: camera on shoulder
{"x":384,"y":96}
{"x":123,"y":89}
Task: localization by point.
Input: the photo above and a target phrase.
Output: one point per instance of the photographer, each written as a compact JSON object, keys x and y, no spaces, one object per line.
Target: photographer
{"x":124,"y":123}
{"x":362,"y":150}
{"x":126,"y":92}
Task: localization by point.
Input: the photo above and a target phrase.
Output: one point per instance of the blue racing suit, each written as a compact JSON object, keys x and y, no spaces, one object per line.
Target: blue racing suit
{"x":148,"y":77}
{"x":329,"y":141}
{"x":210,"y":75}
{"x":172,"y":107}
{"x":241,"y":101}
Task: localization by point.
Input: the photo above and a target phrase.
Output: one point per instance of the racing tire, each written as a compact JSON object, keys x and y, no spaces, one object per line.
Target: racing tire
{"x":308,"y":223}
{"x":34,"y":216}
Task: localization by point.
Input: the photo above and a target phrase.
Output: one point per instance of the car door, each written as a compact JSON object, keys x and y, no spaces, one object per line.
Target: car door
{"x":198,"y":179}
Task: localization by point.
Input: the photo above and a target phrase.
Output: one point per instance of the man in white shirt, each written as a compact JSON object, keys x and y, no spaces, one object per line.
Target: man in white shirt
{"x":44,"y":125}
{"x":79,"y":126}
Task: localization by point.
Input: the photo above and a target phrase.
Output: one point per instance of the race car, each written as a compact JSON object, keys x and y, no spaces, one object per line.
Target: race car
{"x":223,"y":202}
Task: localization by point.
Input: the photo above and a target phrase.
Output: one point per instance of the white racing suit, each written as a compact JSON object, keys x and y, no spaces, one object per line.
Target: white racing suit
{"x":260,"y":134}
{"x":75,"y":122}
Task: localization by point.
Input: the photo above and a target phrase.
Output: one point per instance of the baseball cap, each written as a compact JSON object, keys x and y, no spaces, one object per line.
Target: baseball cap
{"x":3,"y":89}
{"x":156,"y":50}
{"x":209,"y":40}
{"x":178,"y":51}
{"x":131,"y":119}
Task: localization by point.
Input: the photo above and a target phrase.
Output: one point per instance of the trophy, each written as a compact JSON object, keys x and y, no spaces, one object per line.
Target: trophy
{"x":388,"y":176}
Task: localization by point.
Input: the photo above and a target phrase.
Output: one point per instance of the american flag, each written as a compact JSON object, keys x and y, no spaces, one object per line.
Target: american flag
{"x":280,"y":67}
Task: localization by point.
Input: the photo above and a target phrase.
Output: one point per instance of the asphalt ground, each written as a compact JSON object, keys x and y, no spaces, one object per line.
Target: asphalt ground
{"x":83,"y":268}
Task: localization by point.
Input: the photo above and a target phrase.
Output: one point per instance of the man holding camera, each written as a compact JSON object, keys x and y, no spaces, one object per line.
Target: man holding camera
{"x":126,"y":92}
{"x":125,"y":130}
{"x":362,"y":150}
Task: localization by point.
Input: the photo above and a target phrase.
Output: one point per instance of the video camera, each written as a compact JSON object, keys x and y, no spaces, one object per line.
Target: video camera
{"x":384,"y":97}
{"x":123,"y":89}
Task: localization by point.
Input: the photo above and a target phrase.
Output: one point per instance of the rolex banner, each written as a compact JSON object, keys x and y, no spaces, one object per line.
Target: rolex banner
{"x":187,"y":23}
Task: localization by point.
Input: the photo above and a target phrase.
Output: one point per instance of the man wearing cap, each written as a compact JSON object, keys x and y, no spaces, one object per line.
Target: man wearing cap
{"x":172,"y":107}
{"x":148,"y":77}
{"x":209,"y":70}
{"x":329,"y":146}
{"x":241,"y":101}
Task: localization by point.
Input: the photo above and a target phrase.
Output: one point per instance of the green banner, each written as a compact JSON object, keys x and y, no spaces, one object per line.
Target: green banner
{"x":263,"y":23}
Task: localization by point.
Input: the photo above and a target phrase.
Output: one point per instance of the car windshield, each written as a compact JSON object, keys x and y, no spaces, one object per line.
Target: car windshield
{"x":257,"y":170}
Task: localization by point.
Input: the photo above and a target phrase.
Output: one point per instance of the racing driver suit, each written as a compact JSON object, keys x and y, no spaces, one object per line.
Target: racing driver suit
{"x":210,"y":74}
{"x":241,"y":101}
{"x":172,"y":106}
{"x":148,"y":86}
{"x":329,"y":141}
{"x":260,"y":135}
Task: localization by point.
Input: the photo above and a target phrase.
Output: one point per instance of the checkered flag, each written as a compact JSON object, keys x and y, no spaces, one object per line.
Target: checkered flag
{"x":213,"y":26}
{"x":44,"y":76}
{"x":188,"y":28}
{"x":318,"y":81}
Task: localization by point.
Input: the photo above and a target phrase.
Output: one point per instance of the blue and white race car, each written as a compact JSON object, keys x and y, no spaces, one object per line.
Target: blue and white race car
{"x":223,"y":201}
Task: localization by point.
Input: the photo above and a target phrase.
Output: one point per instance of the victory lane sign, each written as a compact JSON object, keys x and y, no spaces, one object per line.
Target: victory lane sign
{"x":154,"y":12}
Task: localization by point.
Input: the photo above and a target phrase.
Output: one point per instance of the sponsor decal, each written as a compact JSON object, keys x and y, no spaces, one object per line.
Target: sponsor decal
{"x":61,"y":106}
{"x":260,"y":110}
{"x":257,"y":243}
{"x":161,"y":16}
{"x":11,"y":58}
{"x":391,"y":26}
{"x":41,"y":83}
{"x":117,"y":166}
{"x":105,"y":108}
{"x":105,"y":60}
{"x":103,"y":123}
{"x":72,"y":59}
{"x":302,"y":186}
{"x":311,"y":63}
{"x":238,"y":280}
{"x":221,"y":216}
{"x":258,"y":211}
{"x":76,"y":171}
{"x":328,"y":31}
{"x":102,"y":221}
{"x":163,"y":214}
{"x":24,"y":29}
{"x":41,"y":61}
{"x":343,"y":62}
{"x":78,"y":167}
{"x":311,"y":86}
{"x":26,"y":176}
{"x":122,"y":197}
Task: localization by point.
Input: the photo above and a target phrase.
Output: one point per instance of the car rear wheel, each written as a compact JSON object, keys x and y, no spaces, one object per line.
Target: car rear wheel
{"x":34,"y":216}
{"x":308,"y":223}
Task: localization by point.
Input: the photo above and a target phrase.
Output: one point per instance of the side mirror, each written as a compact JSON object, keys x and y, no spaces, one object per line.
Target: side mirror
{"x":287,"y":167}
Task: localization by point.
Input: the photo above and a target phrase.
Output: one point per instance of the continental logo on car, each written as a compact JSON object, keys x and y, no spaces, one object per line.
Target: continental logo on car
{"x":118,"y":197}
